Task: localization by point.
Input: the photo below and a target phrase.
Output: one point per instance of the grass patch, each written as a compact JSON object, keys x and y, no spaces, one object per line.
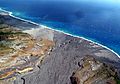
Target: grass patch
{"x":10,"y":33}
{"x":118,"y":81}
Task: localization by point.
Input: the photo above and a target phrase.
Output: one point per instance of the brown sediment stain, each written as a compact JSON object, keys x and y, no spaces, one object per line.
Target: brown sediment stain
{"x":8,"y":81}
{"x":11,"y":61}
{"x":5,"y":51}
{"x":13,"y":56}
{"x":46,"y":44}
{"x":5,"y":75}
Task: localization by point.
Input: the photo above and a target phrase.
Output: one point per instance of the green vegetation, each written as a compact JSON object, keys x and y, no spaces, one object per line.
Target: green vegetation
{"x":9,"y":33}
{"x":5,"y":48}
{"x":118,"y":81}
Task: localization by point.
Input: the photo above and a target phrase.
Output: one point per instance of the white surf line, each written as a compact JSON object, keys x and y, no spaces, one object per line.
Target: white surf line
{"x":82,"y":38}
{"x":40,"y":25}
{"x":11,"y":14}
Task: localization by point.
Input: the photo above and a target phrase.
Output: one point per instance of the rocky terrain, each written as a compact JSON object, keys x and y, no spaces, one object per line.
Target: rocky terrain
{"x":92,"y":71}
{"x":45,"y":56}
{"x":20,"y":52}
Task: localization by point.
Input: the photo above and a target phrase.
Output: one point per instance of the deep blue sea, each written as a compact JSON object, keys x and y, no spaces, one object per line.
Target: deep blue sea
{"x":97,"y":21}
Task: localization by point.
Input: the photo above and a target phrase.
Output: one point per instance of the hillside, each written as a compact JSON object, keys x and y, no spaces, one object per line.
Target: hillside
{"x":44,"y":56}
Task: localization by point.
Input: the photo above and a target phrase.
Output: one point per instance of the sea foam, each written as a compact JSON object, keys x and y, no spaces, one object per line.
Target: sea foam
{"x":40,"y":26}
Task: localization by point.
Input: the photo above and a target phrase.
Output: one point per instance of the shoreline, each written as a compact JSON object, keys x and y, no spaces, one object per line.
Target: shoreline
{"x":40,"y":25}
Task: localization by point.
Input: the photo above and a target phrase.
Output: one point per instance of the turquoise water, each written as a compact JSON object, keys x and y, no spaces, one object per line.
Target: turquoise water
{"x":98,"y":21}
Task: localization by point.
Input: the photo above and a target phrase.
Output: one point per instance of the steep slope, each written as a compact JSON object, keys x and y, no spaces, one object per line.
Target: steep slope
{"x":45,"y":56}
{"x":20,"y":53}
{"x":65,"y":58}
{"x":92,"y":71}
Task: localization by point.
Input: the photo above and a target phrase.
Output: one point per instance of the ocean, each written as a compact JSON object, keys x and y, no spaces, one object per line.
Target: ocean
{"x":97,"y":21}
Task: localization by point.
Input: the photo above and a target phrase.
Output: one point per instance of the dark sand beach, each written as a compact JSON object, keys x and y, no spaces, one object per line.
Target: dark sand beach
{"x":61,"y":60}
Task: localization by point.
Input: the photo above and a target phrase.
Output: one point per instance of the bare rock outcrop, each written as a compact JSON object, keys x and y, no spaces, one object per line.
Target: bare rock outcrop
{"x":94,"y":72}
{"x":44,"y":56}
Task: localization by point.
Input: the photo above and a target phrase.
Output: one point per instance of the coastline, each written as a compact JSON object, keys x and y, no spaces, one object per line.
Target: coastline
{"x":40,"y":25}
